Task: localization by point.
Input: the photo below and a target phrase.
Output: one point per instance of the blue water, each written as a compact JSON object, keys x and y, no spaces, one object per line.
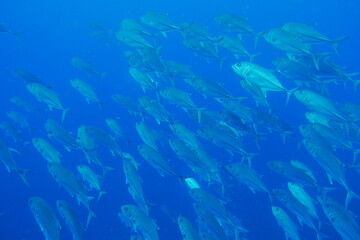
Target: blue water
{"x":56,"y":31}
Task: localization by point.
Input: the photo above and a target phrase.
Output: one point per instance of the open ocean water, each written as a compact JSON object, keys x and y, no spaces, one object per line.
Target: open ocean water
{"x":46,"y":44}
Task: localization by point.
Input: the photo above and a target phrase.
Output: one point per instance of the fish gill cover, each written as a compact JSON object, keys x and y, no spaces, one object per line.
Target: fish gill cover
{"x":179,"y":120}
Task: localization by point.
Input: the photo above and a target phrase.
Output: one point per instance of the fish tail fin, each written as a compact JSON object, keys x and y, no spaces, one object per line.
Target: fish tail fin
{"x":252,"y":56}
{"x":257,"y":36}
{"x":106,"y":169}
{"x":65,"y":111}
{"x":356,"y":84}
{"x":101,"y":106}
{"x":324,"y":190}
{"x":90,"y":216}
{"x":289,"y":93}
{"x":335,"y":44}
{"x":350,"y":195}
{"x":249,"y":157}
{"x":100,"y":194}
{"x":23,"y":173}
{"x":320,"y":235}
{"x":355,"y":154}
{"x":315,"y":60}
{"x":199,"y":112}
{"x":222,"y":60}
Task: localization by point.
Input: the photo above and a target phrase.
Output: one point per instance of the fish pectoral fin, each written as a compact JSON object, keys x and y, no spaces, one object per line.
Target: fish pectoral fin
{"x":330,"y":178}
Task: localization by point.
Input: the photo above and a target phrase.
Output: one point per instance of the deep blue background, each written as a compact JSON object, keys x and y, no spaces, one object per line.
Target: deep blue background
{"x":56,"y":31}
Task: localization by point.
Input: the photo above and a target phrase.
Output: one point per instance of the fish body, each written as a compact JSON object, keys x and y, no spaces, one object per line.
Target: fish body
{"x":86,"y":90}
{"x":71,"y":219}
{"x":247,"y":176}
{"x":159,"y":21}
{"x":344,"y":221}
{"x":85,"y":66}
{"x":57,"y":132}
{"x":139,"y":221}
{"x":46,"y":150}
{"x":147,"y":134}
{"x":154,"y":108}
{"x":19,"y":119}
{"x":45,"y":218}
{"x":157,"y":160}
{"x":234,"y":23}
{"x":7,"y":159}
{"x":47,"y":96}
{"x":67,"y":179}
{"x":284,"y":221}
{"x":187,"y":229}
{"x":302,"y":196}
{"x":292,"y":172}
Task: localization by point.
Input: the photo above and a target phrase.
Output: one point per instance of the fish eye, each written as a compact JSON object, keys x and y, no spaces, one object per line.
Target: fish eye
{"x":126,"y":209}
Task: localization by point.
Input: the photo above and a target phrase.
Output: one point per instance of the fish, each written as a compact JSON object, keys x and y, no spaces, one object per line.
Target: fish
{"x":158,"y":21}
{"x":156,"y":160}
{"x":45,"y":218}
{"x":206,"y":49}
{"x":147,"y":134}
{"x":132,"y":106}
{"x":76,"y":188}
{"x":234,"y":23}
{"x":135,"y":26}
{"x":7,"y":159}
{"x":47,"y":150}
{"x":235,"y":46}
{"x":293,"y":173}
{"x":87,"y":91}
{"x":144,"y":79}
{"x":19,"y":119}
{"x":139,"y":221}
{"x":247,"y":176}
{"x":208,"y":87}
{"x":287,"y":42}
{"x":133,"y":179}
{"x":308,"y":34}
{"x":216,"y":207}
{"x":11,"y":131}
{"x":24,"y":103}
{"x":195,"y":31}
{"x":344,"y":221}
{"x":186,"y":135}
{"x":91,"y":178}
{"x":57,"y":132}
{"x":296,"y":207}
{"x":48,"y":96}
{"x":115,"y":128}
{"x":187,"y":229}
{"x":86,"y":66}
{"x":5,"y":29}
{"x":209,"y":223}
{"x":260,"y":76}
{"x":323,"y":154}
{"x":28,"y":77}
{"x":154,"y":108}
{"x":133,"y":38}
{"x":256,"y":92}
{"x":316,"y":102}
{"x":190,"y":157}
{"x":285,"y":222}
{"x":102,"y":138}
{"x":302,"y":196}
{"x":71,"y":219}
